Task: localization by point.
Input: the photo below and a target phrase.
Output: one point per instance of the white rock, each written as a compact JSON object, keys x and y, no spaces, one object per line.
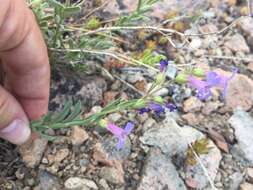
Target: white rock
{"x":76,"y":183}
{"x":242,"y":123}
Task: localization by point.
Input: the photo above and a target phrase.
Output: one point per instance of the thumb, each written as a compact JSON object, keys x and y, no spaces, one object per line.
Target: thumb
{"x":14,"y":125}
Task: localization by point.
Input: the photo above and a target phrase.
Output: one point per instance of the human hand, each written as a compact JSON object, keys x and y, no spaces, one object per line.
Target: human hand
{"x":24,"y":95}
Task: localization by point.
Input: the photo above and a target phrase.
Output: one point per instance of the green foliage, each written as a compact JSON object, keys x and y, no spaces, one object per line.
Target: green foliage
{"x":53,"y":18}
{"x":93,"y":24}
{"x":199,"y":147}
{"x":149,"y":58}
{"x":138,"y":15}
{"x":71,"y":116}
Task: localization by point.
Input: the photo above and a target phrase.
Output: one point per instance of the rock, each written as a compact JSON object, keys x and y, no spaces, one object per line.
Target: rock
{"x":192,"y":104}
{"x":235,"y":181}
{"x":210,"y":107}
{"x":103,"y":184}
{"x":173,"y":140}
{"x":242,"y":123}
{"x":114,"y":175}
{"x":191,"y":183}
{"x":76,"y":183}
{"x":106,"y":153}
{"x":32,"y":151}
{"x":250,"y":174}
{"x":192,"y":119}
{"x":72,"y":85}
{"x":237,"y":43}
{"x":110,"y":96}
{"x":246,"y":186}
{"x":246,"y":25}
{"x":209,"y":28}
{"x":61,"y":155}
{"x":159,"y":173}
{"x":114,"y":117}
{"x":148,"y":124}
{"x":78,"y":136}
{"x":169,"y":137}
{"x":142,"y":117}
{"x":195,"y":43}
{"x":48,"y":181}
{"x":240,"y":87}
{"x":171,"y":71}
{"x":211,"y":162}
{"x":135,"y":78}
{"x":250,"y":66}
{"x":162,"y":92}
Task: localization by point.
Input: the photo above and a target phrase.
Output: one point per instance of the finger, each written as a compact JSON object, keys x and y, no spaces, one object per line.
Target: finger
{"x":14,"y":125}
{"x":25,"y":59}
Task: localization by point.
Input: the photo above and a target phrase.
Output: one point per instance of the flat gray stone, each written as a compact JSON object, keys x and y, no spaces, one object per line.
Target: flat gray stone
{"x":242,"y":123}
{"x":160,"y":173}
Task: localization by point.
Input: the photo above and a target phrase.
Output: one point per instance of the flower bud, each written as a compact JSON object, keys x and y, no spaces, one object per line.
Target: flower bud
{"x":139,"y":104}
{"x":158,"y":99}
{"x":103,"y":123}
{"x":198,"y":72}
{"x":160,"y":78}
{"x":181,"y":78}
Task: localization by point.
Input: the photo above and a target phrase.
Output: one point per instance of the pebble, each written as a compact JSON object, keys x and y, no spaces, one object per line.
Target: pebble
{"x":114,"y":175}
{"x":240,"y":87}
{"x":135,"y":78}
{"x":48,"y":181}
{"x":250,"y":174}
{"x":114,"y":117}
{"x":78,"y":136}
{"x":237,"y":43}
{"x":148,"y":124}
{"x":106,"y":152}
{"x":61,"y":155}
{"x":103,"y":184}
{"x":192,"y":104}
{"x":235,"y":180}
{"x":76,"y":183}
{"x":32,"y":151}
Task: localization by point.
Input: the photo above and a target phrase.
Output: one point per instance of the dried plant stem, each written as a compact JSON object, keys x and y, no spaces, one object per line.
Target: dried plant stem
{"x":118,"y":56}
{"x":199,"y":161}
{"x":250,"y":7}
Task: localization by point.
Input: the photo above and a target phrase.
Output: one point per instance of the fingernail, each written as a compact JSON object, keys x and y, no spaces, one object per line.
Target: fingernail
{"x":17,"y":132}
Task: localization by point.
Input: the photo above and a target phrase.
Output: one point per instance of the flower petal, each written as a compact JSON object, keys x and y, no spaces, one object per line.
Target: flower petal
{"x":163,"y":65}
{"x":128,"y":128}
{"x":114,"y":129}
{"x":120,"y":143}
{"x":213,"y":79}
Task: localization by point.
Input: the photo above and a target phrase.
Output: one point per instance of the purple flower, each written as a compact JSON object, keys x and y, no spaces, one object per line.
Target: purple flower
{"x":144,"y":110}
{"x":171,"y":107}
{"x":214,"y":79}
{"x":163,"y":65}
{"x":120,"y":133}
{"x":202,"y":87}
{"x":157,"y":108}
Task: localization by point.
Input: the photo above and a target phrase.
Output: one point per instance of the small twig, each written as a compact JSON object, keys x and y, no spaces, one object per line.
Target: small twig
{"x":115,"y":55}
{"x":198,"y":159}
{"x":250,"y":7}
{"x":129,"y":85}
{"x":95,"y":10}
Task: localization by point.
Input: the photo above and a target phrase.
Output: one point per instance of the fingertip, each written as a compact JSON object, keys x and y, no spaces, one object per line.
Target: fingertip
{"x":17,"y":132}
